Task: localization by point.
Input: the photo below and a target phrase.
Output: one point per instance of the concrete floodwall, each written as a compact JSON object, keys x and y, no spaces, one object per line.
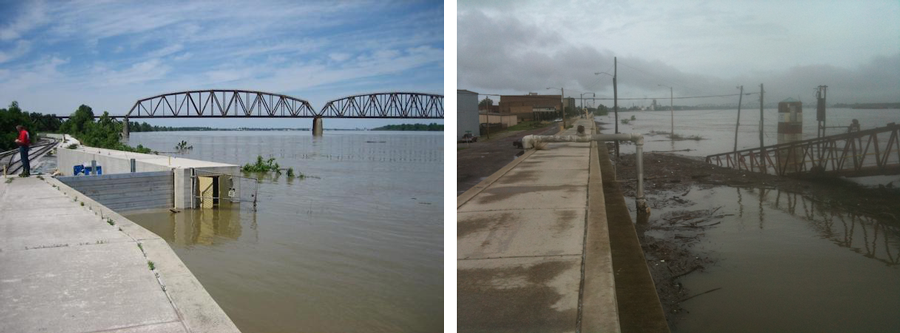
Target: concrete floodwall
{"x":116,"y":162}
{"x":127,"y":191}
{"x":111,"y":161}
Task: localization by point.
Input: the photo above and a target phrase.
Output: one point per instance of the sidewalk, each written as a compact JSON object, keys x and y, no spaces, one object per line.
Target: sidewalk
{"x":533,"y":246}
{"x":65,"y":268}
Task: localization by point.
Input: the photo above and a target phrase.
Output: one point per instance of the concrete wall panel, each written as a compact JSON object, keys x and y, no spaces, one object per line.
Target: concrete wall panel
{"x":128,"y":191}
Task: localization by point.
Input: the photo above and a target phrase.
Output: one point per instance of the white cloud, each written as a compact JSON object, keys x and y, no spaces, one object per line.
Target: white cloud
{"x":31,"y":17}
{"x":183,"y":56}
{"x":165,"y":51}
{"x":339,"y":57}
{"x":22,"y":47}
{"x":121,"y":52}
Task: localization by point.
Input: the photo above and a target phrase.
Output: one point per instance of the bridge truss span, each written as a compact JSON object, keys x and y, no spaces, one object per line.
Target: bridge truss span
{"x":221,"y":103}
{"x":386,"y":105}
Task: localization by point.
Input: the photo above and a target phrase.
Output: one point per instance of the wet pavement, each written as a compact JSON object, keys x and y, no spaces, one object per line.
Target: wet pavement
{"x":524,"y":247}
{"x":70,"y":265}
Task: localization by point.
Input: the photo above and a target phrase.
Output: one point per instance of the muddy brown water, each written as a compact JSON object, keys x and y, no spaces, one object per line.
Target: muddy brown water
{"x":356,"y":247}
{"x":779,"y":261}
{"x":789,"y":263}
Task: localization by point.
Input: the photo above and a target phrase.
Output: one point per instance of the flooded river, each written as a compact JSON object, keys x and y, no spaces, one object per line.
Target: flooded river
{"x":783,"y":262}
{"x":790,"y":263}
{"x":354,"y":247}
{"x":716,"y":127}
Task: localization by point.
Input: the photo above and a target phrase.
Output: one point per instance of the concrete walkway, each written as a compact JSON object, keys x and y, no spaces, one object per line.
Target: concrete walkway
{"x":68,"y":264}
{"x":533,"y":246}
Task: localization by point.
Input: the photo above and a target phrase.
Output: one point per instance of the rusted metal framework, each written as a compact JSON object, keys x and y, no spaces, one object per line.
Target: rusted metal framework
{"x":220,"y":103}
{"x":386,"y":105}
{"x":863,"y":153}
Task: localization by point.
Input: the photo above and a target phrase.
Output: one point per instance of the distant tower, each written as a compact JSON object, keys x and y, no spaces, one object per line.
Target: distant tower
{"x":653,"y":106}
{"x":790,"y":129}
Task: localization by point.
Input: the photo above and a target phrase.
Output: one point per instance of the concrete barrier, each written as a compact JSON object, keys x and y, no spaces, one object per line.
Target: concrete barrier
{"x":182,"y":173}
{"x":112,"y":161}
{"x":127,"y":191}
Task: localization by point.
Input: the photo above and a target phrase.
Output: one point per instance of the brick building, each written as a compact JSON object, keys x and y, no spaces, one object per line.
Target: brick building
{"x":531,"y":106}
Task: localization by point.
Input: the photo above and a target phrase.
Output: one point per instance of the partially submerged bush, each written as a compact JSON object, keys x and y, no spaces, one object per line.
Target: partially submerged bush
{"x":262,"y":166}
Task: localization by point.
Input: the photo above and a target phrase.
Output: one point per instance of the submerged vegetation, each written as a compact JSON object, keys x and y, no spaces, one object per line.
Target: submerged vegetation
{"x":262,"y":166}
{"x":682,"y":137}
{"x":182,"y":146}
{"x":269,"y":165}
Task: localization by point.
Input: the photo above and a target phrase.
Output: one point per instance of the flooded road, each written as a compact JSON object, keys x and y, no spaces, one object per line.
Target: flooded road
{"x":354,"y":247}
{"x":778,"y":261}
{"x":790,"y":263}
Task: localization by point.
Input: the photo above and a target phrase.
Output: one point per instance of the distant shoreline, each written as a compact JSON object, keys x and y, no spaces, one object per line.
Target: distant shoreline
{"x":176,"y":129}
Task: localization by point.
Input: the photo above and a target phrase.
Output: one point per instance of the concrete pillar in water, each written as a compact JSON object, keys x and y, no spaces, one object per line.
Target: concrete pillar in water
{"x":125,"y":128}
{"x":317,"y":126}
{"x":790,"y":129}
{"x":184,"y":195}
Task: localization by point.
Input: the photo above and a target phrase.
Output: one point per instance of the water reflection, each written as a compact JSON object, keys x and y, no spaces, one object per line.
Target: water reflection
{"x":197,"y":226}
{"x":874,"y":237}
{"x":355,"y":246}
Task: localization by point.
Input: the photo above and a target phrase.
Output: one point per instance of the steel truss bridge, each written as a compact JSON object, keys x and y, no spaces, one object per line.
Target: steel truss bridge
{"x":863,"y":153}
{"x":247,"y":103}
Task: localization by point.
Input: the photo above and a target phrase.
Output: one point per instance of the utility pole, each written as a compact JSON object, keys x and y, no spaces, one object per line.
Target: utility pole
{"x":738,"y":124}
{"x":562,"y":105}
{"x":616,"y":100}
{"x":761,"y":91}
{"x":672,"y":113}
{"x":821,"y":93}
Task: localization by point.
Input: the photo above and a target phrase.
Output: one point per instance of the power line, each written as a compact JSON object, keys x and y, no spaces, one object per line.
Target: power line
{"x":625,"y":98}
{"x":685,"y":97}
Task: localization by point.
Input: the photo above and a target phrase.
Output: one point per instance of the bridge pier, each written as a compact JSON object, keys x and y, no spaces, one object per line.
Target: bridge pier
{"x":125,"y":128}
{"x":317,"y":126}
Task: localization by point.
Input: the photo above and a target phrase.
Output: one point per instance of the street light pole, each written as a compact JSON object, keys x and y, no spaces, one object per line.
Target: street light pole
{"x":562,"y":106}
{"x":582,"y":98}
{"x":615,"y":99}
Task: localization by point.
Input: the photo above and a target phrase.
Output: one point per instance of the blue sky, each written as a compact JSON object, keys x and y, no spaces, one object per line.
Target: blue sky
{"x":55,"y":56}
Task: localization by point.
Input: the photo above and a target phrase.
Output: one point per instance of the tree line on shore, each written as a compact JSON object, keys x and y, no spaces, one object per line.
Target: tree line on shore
{"x":411,"y":127}
{"x":103,"y":133}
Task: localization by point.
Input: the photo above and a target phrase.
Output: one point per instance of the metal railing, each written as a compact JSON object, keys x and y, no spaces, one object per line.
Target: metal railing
{"x":529,"y":141}
{"x":863,"y":153}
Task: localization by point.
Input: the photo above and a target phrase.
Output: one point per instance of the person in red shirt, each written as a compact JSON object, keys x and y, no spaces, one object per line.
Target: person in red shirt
{"x":24,"y":142}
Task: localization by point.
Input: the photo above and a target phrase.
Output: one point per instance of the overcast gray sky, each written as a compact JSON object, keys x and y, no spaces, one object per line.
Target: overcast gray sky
{"x":697,"y":47}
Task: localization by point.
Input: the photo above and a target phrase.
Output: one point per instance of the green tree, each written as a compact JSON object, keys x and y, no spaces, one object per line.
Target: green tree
{"x":78,"y":121}
{"x":9,"y":118}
